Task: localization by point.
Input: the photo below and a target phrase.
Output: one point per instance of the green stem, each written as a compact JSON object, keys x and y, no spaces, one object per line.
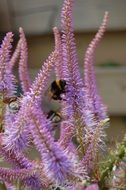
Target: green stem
{"x":114,"y":157}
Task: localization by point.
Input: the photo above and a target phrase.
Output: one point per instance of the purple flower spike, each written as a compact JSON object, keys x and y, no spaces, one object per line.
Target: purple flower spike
{"x":95,"y":141}
{"x":74,"y":106}
{"x":6,"y":77}
{"x":37,"y":90}
{"x":5,"y":53}
{"x":17,"y":160}
{"x":15,"y":55}
{"x":56,"y":162}
{"x":23,"y":70}
{"x":10,"y":175}
{"x":92,"y":99}
{"x":58,"y":46}
{"x":69,"y":45}
{"x":62,"y":72}
{"x":17,"y":135}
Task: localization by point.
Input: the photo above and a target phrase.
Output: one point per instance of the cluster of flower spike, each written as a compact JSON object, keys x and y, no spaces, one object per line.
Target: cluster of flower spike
{"x":63,"y":163}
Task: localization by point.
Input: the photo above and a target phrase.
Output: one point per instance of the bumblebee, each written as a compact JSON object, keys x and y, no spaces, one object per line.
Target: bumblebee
{"x":12,"y":103}
{"x":57,"y":89}
{"x":54,"y":116}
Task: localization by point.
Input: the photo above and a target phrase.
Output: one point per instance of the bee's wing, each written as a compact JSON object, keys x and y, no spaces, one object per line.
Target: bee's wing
{"x":48,"y":93}
{"x":7,"y":100}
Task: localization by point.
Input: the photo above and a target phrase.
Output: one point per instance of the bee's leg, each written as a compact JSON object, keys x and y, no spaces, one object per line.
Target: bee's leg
{"x":54,"y":97}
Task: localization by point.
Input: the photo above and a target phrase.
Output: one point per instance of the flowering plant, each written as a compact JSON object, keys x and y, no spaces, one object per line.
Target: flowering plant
{"x":71,"y":161}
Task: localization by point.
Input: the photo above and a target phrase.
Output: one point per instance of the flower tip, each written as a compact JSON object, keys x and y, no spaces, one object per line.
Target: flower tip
{"x":9,"y":37}
{"x":55,"y":30}
{"x":104,"y":121}
{"x":9,"y":34}
{"x":20,"y":29}
{"x":106,"y":14}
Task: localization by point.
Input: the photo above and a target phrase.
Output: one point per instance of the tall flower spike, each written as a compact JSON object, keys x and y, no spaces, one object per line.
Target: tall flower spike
{"x":15,"y":55}
{"x":70,"y":57}
{"x":61,"y":69}
{"x":10,"y":175}
{"x":5,"y":53}
{"x":6,"y":77}
{"x":18,"y":137}
{"x":82,"y":114}
{"x":56,"y":162}
{"x":58,"y":46}
{"x":37,"y":90}
{"x":69,"y":45}
{"x":92,"y":98}
{"x":23,"y":70}
{"x":14,"y":158}
{"x":17,"y":160}
{"x":96,"y":143}
{"x":72,"y":108}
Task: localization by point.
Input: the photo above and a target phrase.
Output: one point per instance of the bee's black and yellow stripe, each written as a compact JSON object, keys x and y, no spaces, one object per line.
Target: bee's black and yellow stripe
{"x":58,"y":83}
{"x":57,"y":88}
